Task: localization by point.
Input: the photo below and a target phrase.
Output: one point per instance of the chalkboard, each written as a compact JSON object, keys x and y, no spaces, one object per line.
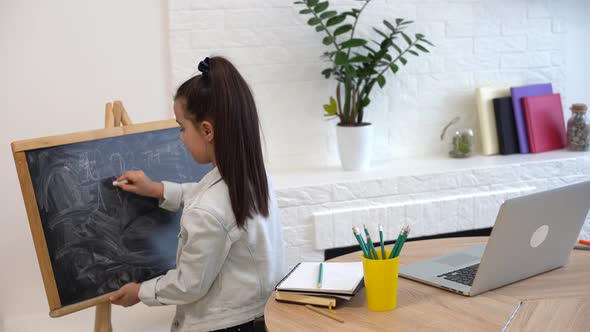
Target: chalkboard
{"x":99,"y":237}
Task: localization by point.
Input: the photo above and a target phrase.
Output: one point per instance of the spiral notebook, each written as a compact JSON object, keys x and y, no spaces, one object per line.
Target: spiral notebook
{"x":338,"y":279}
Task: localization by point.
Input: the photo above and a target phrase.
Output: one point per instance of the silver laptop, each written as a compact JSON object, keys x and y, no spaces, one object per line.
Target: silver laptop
{"x":532,"y":234}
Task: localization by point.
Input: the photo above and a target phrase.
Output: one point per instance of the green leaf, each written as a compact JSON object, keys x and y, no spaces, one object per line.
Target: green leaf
{"x":403,"y":60}
{"x":407,"y":22}
{"x":327,"y":72}
{"x":328,"y":40}
{"x":319,"y":28}
{"x":419,"y":36}
{"x":381,"y":81}
{"x":407,"y":39}
{"x":342,"y":29}
{"x":397,"y":48}
{"x":350,"y":71}
{"x":422,"y":48}
{"x":314,"y":21}
{"x":335,"y":20}
{"x":389,"y":25}
{"x":427,"y":42}
{"x":387,"y":57}
{"x":394,"y":68}
{"x":398,"y":21}
{"x":331,"y":108}
{"x":298,"y":2}
{"x":341,"y":58}
{"x":381,"y":33}
{"x":365,"y":102}
{"x":311,"y":3}
{"x":320,"y":7}
{"x":355,"y":42}
{"x":360,"y":58}
{"x":413,"y":52}
{"x":305,"y":11}
{"x":328,"y":14}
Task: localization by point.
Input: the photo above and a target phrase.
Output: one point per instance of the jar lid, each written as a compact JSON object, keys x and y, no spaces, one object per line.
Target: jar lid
{"x":579,"y":108}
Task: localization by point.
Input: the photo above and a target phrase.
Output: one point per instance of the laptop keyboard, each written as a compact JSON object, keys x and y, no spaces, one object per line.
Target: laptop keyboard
{"x":463,"y":276}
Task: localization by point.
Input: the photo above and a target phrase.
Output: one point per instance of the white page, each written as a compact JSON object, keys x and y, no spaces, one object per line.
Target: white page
{"x":337,"y":277}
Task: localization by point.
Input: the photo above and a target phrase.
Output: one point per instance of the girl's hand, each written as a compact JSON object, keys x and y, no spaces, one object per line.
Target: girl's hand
{"x":126,"y":296}
{"x":141,"y":184}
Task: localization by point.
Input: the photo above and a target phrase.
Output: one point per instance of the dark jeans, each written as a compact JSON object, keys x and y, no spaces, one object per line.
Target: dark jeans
{"x":256,"y":325}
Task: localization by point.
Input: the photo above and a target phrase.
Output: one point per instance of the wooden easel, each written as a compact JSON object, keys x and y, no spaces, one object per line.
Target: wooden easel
{"x":115,"y":116}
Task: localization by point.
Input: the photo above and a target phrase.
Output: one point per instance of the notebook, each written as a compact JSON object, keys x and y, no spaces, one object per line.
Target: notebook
{"x":505,"y":127}
{"x":338,"y":279}
{"x":544,"y":118}
{"x":517,"y":94}
{"x":485,"y":113}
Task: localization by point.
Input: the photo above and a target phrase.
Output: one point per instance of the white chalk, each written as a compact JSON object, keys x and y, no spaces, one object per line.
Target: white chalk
{"x":116,"y":183}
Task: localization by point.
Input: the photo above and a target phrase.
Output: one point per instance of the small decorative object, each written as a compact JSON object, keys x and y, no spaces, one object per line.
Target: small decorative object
{"x":461,"y":144}
{"x":358,"y":65}
{"x":578,"y":129}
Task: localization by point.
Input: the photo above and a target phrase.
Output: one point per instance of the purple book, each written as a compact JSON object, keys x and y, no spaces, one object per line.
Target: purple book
{"x":517,"y":94}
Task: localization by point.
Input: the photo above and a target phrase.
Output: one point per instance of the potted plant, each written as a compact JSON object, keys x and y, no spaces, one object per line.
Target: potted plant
{"x":357,"y":65}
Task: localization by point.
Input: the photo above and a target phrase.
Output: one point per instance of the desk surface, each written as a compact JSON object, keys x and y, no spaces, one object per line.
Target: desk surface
{"x":422,"y":307}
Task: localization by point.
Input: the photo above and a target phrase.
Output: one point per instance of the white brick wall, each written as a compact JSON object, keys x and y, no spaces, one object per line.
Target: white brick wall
{"x":478,"y":42}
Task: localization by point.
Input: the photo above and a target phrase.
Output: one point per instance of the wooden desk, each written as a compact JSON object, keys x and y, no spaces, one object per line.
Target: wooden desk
{"x":422,"y":307}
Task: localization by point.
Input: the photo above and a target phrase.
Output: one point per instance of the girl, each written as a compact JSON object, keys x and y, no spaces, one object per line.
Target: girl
{"x":230,"y":250}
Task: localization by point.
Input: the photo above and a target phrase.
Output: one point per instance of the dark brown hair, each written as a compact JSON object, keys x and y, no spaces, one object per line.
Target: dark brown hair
{"x":224,"y":98}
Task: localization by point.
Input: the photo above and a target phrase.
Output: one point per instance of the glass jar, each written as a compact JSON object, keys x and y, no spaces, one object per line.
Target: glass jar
{"x":578,"y":129}
{"x":462,"y":144}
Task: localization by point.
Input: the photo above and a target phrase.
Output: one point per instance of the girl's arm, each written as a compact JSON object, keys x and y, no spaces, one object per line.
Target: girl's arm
{"x":173,"y":194}
{"x":206,"y":245}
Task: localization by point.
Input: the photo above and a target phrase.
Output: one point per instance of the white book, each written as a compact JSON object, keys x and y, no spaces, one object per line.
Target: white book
{"x":487,"y":120}
{"x":337,"y":278}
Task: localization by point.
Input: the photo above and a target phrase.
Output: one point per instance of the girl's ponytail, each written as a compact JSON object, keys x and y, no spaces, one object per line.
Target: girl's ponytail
{"x":222,"y":96}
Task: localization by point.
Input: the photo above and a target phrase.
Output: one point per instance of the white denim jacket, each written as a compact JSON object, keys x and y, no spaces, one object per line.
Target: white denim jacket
{"x":223,"y":274}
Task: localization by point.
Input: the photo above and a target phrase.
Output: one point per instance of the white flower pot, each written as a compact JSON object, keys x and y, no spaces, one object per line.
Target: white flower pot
{"x":355,"y":146}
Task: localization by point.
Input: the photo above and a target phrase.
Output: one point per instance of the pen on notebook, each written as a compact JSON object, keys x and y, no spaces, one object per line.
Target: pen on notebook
{"x":381,"y":241}
{"x":358,"y":237}
{"x":320,"y":275}
{"x":370,"y":243}
{"x":116,"y":183}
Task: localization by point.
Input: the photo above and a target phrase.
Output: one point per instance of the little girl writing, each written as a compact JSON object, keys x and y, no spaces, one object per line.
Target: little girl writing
{"x":230,"y":248}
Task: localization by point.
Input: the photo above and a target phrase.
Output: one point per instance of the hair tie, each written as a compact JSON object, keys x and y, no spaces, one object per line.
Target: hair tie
{"x":204,"y":67}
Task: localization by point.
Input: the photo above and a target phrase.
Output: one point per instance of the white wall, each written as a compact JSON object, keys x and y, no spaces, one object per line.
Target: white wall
{"x":60,"y":61}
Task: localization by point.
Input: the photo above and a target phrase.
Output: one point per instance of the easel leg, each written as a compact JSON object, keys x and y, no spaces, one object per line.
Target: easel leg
{"x":102,"y":319}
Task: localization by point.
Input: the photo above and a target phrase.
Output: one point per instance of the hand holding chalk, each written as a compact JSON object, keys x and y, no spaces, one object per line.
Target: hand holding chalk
{"x":116,"y":183}
{"x":138,"y":183}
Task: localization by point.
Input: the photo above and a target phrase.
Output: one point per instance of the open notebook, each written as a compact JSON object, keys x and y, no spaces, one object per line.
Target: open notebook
{"x":338,"y":279}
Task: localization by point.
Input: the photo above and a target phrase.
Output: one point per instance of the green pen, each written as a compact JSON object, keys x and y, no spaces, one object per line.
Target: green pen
{"x":358,"y":237}
{"x":381,"y":240}
{"x":320,"y":275}
{"x":370,"y":243}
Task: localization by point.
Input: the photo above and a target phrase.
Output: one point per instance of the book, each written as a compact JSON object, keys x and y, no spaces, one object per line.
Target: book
{"x":544,"y":118}
{"x":505,"y":127}
{"x":343,"y":279}
{"x":305,"y":299}
{"x":517,"y":94}
{"x":485,"y":113}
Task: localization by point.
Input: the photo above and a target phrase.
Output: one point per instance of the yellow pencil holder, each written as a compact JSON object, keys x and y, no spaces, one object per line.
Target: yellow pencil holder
{"x":381,"y":282}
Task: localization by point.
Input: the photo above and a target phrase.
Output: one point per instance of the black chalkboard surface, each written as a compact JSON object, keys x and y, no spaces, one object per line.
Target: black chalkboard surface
{"x":99,"y":237}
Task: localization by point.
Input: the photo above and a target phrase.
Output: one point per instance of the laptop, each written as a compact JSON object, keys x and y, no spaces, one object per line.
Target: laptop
{"x":533,"y":234}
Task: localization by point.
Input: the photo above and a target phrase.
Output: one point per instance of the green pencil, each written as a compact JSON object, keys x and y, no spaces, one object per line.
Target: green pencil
{"x":357,"y":234}
{"x":397,"y":243}
{"x":381,"y":241}
{"x":402,"y":241}
{"x":370,"y":243}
